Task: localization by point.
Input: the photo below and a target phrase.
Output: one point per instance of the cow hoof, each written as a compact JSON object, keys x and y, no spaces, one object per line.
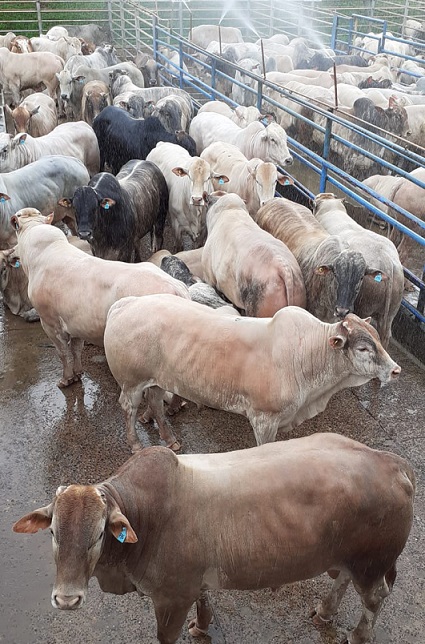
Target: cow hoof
{"x":175,"y":446}
{"x":317,"y":619}
{"x":194,"y":630}
{"x":70,"y":381}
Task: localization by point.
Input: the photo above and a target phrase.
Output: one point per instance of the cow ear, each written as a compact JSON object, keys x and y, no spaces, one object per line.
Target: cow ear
{"x":120,"y":527}
{"x":4,"y":197}
{"x":19,"y":138}
{"x":35,"y":110}
{"x":284,"y":180}
{"x":34,"y":521}
{"x":49,"y":218}
{"x":368,"y":320}
{"x":180,"y":172}
{"x":221,"y":178}
{"x":78,"y":79}
{"x":107,"y":203}
{"x":66,"y":203}
{"x":377,"y":276}
{"x":337,"y":341}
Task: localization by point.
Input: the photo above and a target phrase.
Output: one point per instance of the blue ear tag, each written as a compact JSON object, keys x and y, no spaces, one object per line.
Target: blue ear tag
{"x":106,"y":206}
{"x":21,"y":141}
{"x":286,"y":182}
{"x":122,"y":535}
{"x":2,"y":199}
{"x":17,"y":264}
{"x":221,"y":181}
{"x":265,"y":122}
{"x":378,"y":278}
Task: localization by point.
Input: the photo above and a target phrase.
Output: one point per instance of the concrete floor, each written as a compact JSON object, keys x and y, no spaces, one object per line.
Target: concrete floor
{"x":50,"y":437}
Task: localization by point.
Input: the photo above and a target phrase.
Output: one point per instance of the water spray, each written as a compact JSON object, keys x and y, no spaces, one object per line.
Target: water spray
{"x":219,"y":38}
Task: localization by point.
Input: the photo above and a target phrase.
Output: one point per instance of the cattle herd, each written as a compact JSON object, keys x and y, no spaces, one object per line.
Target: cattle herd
{"x":261,"y":306}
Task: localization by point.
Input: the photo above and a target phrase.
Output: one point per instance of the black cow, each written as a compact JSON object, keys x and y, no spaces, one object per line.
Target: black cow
{"x":322,"y":63}
{"x":122,"y":137}
{"x":115,"y":213}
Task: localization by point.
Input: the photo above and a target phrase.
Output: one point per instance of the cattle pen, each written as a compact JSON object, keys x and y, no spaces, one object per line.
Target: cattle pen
{"x":163,"y":28}
{"x":52,"y":436}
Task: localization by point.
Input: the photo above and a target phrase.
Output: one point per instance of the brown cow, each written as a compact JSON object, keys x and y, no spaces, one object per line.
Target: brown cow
{"x":243,"y":365}
{"x":173,"y":527}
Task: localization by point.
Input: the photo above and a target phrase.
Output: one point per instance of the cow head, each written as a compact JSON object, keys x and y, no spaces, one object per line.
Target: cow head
{"x":90,"y":204}
{"x":199,"y":173}
{"x":27,"y":216}
{"x":274,"y":145}
{"x":80,"y":518}
{"x":362,"y":347}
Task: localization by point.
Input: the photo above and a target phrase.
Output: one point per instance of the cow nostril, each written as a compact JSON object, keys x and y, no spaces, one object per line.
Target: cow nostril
{"x":152,"y":82}
{"x":67,"y":602}
{"x":197,"y":201}
{"x":341,"y":312}
{"x":395,"y":372}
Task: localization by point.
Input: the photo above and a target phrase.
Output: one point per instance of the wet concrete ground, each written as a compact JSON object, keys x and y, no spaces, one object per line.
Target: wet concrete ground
{"x":50,"y":437}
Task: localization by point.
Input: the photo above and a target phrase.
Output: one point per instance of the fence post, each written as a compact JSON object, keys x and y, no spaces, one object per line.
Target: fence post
{"x":326,"y":148}
{"x":421,"y":298}
{"x":259,"y":95}
{"x":213,"y":94}
{"x":334,"y":31}
{"x":39,"y":18}
{"x":154,"y":37}
{"x":110,"y":16}
{"x":181,"y":64}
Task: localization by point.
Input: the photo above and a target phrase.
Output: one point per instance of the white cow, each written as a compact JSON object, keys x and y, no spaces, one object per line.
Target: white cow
{"x":36,"y":114}
{"x":254,"y":180}
{"x":253,"y":269}
{"x":76,"y":139}
{"x":241,"y":115}
{"x":29,"y":71}
{"x":40,"y":184}
{"x":73,"y":291}
{"x":188,"y":180}
{"x":278,"y":372}
{"x":268,"y":143}
{"x":64,"y":47}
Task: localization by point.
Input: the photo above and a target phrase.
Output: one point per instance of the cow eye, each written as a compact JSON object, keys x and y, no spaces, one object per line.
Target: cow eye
{"x":362,"y":348}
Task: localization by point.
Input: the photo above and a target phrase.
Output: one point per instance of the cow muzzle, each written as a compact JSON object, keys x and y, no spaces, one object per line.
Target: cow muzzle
{"x":198,"y":201}
{"x":341,"y":312}
{"x":64,"y":97}
{"x":67,"y":602}
{"x":152,"y":82}
{"x":86,"y":235}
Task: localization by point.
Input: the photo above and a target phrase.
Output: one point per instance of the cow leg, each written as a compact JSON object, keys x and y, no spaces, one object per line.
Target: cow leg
{"x":130,"y":400}
{"x":170,"y":618}
{"x":155,"y":398}
{"x":265,"y":427}
{"x":328,"y":606}
{"x":62,"y":343}
{"x":372,"y":599}
{"x":199,"y":625}
{"x":77,"y":345}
